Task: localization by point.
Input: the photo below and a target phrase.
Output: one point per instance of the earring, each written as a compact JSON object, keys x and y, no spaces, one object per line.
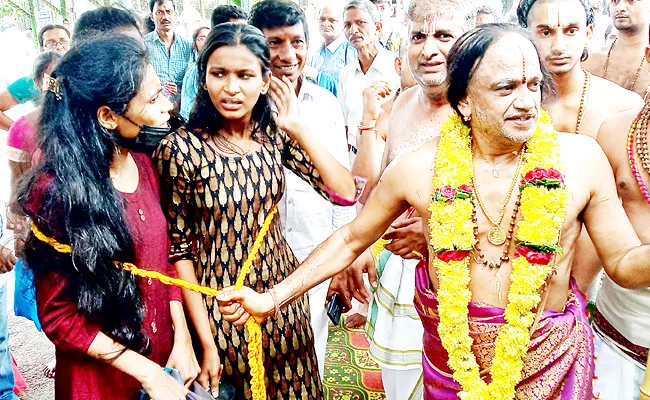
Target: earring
{"x":466,"y":118}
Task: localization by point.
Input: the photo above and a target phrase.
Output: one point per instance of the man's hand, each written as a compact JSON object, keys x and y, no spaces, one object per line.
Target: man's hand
{"x":363,"y":264}
{"x":18,"y":223}
{"x":407,"y":239}
{"x":373,"y":96}
{"x":339,"y":285}
{"x":7,"y":260}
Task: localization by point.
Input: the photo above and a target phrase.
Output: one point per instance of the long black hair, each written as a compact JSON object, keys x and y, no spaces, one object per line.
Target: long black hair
{"x":76,"y":155}
{"x":204,"y":117}
{"x":468,"y":51}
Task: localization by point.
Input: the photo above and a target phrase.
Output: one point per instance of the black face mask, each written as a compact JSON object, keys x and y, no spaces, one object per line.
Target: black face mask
{"x":149,"y":136}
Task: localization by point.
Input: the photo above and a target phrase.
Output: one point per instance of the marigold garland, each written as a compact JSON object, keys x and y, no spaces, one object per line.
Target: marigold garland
{"x":543,"y":208}
{"x":255,"y":354}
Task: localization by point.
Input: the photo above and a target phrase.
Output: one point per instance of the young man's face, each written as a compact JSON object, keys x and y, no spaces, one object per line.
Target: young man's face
{"x":289,"y":50}
{"x":560,"y":31}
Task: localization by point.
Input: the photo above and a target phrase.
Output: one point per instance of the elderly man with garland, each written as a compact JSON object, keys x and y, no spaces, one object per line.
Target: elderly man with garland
{"x":502,"y":316}
{"x":622,"y":316}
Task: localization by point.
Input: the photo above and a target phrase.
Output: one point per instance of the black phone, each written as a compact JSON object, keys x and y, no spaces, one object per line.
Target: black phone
{"x":335,"y":309}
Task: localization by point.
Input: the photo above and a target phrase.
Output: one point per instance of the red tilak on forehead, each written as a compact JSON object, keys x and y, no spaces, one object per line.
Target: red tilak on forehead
{"x":430,"y":24}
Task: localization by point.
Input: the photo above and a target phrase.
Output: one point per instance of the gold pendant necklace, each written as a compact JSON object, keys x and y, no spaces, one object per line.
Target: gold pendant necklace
{"x":497,"y":235}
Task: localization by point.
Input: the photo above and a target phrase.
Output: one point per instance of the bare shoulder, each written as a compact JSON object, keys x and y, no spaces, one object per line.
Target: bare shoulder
{"x":405,"y":97}
{"x":615,"y":128}
{"x":596,"y":60}
{"x":414,"y":164}
{"x":614,"y":97}
{"x":579,"y":150}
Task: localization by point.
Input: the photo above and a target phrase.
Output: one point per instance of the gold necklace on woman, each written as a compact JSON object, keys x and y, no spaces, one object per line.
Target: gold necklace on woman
{"x":583,"y":100}
{"x":638,"y":71}
{"x":496,"y":235}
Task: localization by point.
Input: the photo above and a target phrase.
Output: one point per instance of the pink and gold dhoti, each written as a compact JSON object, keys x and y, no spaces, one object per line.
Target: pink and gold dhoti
{"x":560,"y":359}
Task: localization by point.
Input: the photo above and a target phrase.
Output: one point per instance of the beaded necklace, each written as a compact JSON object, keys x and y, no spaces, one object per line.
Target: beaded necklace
{"x":639,"y":129}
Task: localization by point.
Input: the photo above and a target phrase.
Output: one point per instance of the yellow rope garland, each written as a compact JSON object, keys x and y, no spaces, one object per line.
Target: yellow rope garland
{"x":255,"y":354}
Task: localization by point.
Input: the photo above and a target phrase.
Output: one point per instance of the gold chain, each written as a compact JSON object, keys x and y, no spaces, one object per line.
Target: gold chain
{"x":581,"y":110}
{"x":506,"y":200}
{"x":638,"y":71}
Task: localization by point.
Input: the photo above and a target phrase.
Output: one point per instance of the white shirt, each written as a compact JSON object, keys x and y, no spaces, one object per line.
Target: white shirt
{"x":307,"y":218}
{"x":352,"y":83}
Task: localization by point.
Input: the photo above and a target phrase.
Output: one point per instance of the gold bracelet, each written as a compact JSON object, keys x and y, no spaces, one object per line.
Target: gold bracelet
{"x":643,"y":391}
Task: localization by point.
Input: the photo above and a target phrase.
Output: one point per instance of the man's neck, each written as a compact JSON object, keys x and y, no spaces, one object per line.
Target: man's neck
{"x":367,"y":55}
{"x":493,"y":147}
{"x":570,"y":83}
{"x":633,"y":39}
{"x":434,"y":97}
{"x":330,"y":41}
{"x":166,"y":36}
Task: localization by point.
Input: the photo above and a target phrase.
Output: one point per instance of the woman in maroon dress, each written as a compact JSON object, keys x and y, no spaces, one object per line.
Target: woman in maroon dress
{"x":113,"y":332}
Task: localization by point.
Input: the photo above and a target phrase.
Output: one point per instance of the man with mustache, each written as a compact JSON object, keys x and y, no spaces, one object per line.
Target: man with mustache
{"x":561,"y":30}
{"x":336,"y":51}
{"x":169,"y":53}
{"x":623,"y":62}
{"x":416,"y":117}
{"x":362,"y":26}
{"x":502,"y":318}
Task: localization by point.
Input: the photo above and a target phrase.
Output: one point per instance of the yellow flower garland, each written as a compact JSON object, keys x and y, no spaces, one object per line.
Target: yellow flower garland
{"x":255,"y":351}
{"x":543,"y":208}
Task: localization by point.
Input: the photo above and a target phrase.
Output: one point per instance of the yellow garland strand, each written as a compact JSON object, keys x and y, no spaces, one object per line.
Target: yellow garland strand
{"x":543,"y":211}
{"x":255,"y":353}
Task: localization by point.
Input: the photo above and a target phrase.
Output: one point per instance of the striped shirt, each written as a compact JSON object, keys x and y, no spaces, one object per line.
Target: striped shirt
{"x":170,"y":65}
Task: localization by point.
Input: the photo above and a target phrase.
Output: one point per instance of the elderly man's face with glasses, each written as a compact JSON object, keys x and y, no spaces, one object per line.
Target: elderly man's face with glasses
{"x":56,"y":39}
{"x":163,"y":15}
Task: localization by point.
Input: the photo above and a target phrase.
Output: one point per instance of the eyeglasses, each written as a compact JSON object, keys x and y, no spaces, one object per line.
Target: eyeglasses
{"x":160,"y":13}
{"x":52,"y":45}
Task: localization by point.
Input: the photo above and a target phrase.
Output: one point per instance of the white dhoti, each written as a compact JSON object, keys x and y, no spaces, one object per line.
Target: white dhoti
{"x":319,"y":321}
{"x":619,"y":378}
{"x":394,"y":329}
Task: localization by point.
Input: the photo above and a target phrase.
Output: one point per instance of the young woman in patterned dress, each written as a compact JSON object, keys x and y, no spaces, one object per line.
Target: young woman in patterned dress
{"x":220,"y":178}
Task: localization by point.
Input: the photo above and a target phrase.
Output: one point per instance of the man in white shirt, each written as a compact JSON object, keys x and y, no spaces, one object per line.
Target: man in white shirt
{"x":307,"y":218}
{"x":362,"y":27}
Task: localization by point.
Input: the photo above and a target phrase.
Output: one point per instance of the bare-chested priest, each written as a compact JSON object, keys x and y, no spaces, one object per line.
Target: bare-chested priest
{"x":561,"y":30}
{"x":394,"y":329}
{"x":622,"y":316}
{"x":478,"y":294}
{"x":623,"y":62}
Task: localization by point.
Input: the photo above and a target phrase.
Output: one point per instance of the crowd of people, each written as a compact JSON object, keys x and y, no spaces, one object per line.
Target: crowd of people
{"x":470,"y":184}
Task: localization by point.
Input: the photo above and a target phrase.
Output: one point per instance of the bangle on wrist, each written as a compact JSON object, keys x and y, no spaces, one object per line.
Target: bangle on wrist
{"x":275,"y":302}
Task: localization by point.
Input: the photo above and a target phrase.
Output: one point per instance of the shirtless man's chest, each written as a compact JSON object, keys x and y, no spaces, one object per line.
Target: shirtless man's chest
{"x":491,"y":285}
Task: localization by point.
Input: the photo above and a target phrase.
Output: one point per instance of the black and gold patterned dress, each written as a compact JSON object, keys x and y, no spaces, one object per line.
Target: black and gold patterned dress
{"x":215,"y":207}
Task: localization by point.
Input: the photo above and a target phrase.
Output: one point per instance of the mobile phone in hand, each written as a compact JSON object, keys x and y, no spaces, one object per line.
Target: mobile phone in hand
{"x":335,"y":309}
